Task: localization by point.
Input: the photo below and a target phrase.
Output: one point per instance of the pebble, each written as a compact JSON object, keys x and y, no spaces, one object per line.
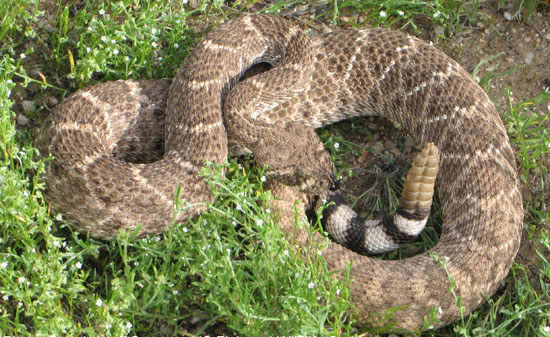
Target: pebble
{"x":22,"y":120}
{"x":378,"y":147}
{"x":27,"y":106}
{"x":508,"y":16}
{"x":395,"y":152}
{"x":529,"y":57}
{"x":51,"y":101}
{"x":409,"y":143}
{"x":194,"y":4}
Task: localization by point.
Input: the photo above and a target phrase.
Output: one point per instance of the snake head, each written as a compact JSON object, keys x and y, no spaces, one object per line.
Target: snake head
{"x":296,"y":157}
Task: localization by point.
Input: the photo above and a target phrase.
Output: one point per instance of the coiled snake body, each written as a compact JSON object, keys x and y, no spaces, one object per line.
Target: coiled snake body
{"x":99,"y":187}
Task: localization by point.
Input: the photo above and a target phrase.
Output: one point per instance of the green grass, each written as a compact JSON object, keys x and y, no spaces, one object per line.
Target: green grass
{"x":231,"y":270}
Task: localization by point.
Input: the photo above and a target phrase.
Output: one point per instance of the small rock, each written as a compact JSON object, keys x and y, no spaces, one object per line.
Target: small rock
{"x":27,"y":106}
{"x":22,"y":120}
{"x":409,"y":143}
{"x":529,"y":57}
{"x":395,"y":152}
{"x":51,"y":101}
{"x":193,"y":4}
{"x":378,"y":147}
{"x":508,"y":16}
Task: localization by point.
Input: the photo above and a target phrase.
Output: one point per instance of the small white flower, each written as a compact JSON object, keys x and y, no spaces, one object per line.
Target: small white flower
{"x":319,"y":252}
{"x":6,"y":297}
{"x":128,"y":325}
{"x":401,"y":13}
{"x":437,"y":14}
{"x":154,"y":31}
{"x":154,"y":44}
{"x":185,"y":230}
{"x":259,"y":222}
{"x":102,"y":12}
{"x":127,"y":58}
{"x":22,"y":279}
{"x":88,"y":50}
{"x":104,"y":38}
{"x":113,"y":41}
{"x":99,"y":302}
{"x":285,"y":252}
{"x":22,"y":55}
{"x":546,"y":329}
{"x":263,"y":179}
{"x":4,"y":265}
{"x":382,"y":14}
{"x":239,"y":208}
{"x":90,"y":28}
{"x":176,"y":45}
{"x":336,"y":145}
{"x":56,"y":243}
{"x":338,"y":291}
{"x":311,"y":285}
{"x":78,"y":265}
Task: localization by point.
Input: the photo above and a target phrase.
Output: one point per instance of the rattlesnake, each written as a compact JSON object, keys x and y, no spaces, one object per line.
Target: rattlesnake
{"x":97,"y":184}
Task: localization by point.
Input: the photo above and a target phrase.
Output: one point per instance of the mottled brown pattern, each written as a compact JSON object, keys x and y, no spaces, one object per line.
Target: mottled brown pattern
{"x":315,"y":81}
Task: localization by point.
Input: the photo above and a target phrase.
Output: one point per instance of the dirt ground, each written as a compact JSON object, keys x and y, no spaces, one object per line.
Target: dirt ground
{"x":525,"y":45}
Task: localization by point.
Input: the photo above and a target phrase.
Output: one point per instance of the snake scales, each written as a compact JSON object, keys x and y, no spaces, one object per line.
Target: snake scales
{"x":100,"y":188}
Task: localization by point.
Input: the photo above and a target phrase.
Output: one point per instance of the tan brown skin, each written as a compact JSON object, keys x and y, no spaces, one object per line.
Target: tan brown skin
{"x":418,"y":190}
{"x":317,"y":82}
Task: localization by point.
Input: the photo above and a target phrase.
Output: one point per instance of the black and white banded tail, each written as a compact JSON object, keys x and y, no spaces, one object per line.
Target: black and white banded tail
{"x":388,"y":233}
